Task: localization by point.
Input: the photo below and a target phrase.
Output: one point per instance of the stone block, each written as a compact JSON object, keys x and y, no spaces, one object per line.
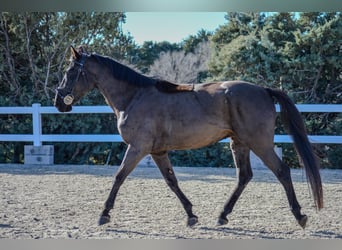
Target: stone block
{"x":39,"y":154}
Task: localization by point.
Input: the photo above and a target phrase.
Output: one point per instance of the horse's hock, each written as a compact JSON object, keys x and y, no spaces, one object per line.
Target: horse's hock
{"x":39,"y":154}
{"x":257,"y":163}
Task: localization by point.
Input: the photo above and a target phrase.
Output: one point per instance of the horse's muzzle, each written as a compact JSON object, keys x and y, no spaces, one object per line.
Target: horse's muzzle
{"x":63,"y":104}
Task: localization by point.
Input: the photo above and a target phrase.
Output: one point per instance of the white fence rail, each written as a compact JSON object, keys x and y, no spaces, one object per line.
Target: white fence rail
{"x":38,"y":138}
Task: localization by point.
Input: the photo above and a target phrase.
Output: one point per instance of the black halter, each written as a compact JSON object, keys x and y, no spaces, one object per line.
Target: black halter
{"x":67,"y":90}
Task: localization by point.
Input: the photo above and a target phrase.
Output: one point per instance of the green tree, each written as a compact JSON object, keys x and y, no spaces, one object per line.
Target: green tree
{"x":315,"y":58}
{"x":35,"y":48}
{"x":190,"y":43}
{"x":144,"y":56}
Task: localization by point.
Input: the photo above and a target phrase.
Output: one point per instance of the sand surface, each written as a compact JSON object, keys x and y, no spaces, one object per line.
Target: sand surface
{"x":65,"y":201}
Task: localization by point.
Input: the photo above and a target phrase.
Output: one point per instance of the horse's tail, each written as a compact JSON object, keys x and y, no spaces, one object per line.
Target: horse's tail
{"x":295,"y":127}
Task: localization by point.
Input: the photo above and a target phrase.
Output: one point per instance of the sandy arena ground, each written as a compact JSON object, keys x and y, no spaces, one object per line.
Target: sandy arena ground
{"x":65,"y":201}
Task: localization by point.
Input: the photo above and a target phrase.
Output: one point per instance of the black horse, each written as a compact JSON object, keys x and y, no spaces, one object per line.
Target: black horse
{"x":156,"y":116}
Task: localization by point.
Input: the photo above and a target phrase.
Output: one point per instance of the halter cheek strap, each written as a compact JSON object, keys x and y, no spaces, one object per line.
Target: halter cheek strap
{"x":69,"y":98}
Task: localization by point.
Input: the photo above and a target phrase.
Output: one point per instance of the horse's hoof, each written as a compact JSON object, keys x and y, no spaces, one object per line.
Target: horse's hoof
{"x":222,"y":221}
{"x":192,"y":221}
{"x":104,"y":219}
{"x":302,"y":221}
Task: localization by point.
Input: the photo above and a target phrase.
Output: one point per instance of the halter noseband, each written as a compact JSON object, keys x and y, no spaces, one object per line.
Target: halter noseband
{"x":69,"y":98}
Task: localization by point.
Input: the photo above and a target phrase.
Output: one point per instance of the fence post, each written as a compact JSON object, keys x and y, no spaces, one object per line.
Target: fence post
{"x":37,"y":124}
{"x":38,"y":154}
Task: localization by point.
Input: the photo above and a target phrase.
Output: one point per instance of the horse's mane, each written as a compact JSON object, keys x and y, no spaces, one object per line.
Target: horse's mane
{"x":127,"y":74}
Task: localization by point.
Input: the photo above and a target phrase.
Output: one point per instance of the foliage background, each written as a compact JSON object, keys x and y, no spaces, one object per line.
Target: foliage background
{"x":297,"y":52}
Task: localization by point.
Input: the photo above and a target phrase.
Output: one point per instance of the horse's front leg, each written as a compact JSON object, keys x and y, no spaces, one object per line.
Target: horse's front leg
{"x":163,"y":163}
{"x":132,"y":157}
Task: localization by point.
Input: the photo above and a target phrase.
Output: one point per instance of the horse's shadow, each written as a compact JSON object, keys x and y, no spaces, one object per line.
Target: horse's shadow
{"x":327,"y":234}
{"x":243,"y":233}
{"x":264,"y":234}
{"x":143,"y":234}
{"x":233,"y":232}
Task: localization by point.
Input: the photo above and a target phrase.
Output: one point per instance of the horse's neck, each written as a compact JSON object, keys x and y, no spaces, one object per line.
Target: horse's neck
{"x":118,"y":94}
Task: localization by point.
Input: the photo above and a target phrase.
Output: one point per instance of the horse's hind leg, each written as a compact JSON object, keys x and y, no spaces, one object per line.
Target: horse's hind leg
{"x":164,"y":165}
{"x":131,"y":159}
{"x":282,"y":172}
{"x":244,"y":175}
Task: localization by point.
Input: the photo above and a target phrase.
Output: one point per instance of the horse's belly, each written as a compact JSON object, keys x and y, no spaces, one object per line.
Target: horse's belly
{"x":191,"y":138}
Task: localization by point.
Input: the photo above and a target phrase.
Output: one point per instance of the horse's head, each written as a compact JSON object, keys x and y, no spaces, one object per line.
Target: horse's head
{"x":75,"y":83}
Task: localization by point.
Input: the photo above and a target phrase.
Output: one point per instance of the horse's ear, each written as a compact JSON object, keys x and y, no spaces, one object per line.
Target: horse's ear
{"x":75,"y":54}
{"x":82,"y":49}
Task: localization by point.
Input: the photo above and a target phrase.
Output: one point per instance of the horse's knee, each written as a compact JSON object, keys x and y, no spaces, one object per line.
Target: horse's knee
{"x":119,"y":178}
